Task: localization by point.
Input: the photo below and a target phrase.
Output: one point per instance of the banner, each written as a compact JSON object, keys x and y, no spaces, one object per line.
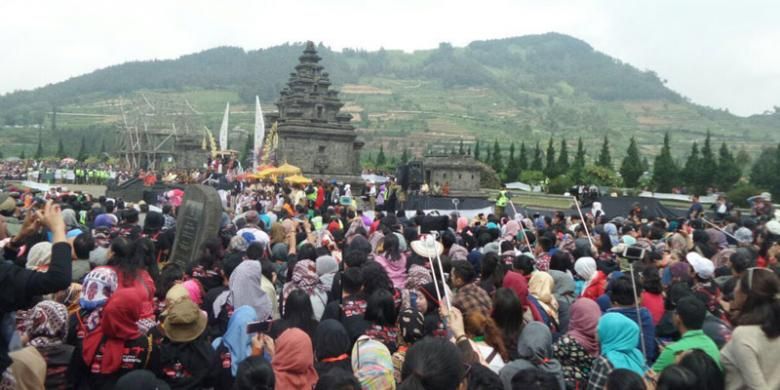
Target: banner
{"x":259,"y":134}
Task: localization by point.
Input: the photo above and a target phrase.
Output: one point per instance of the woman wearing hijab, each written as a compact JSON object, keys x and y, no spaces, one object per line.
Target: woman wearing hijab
{"x":594,"y":281}
{"x":536,"y":351}
{"x":372,"y":364}
{"x":516,"y":282}
{"x":245,"y":290}
{"x":117,"y":346}
{"x":331,"y":347}
{"x":563,"y":291}
{"x":618,"y":337}
{"x":579,"y":346}
{"x":293,"y":361}
{"x":46,"y":327}
{"x":411,"y":325}
{"x":305,"y":278}
{"x":327,"y":267}
{"x":234,"y":346}
{"x":541,"y":287}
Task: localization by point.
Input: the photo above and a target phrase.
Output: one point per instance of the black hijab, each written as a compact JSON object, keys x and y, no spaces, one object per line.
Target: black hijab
{"x":332,"y":347}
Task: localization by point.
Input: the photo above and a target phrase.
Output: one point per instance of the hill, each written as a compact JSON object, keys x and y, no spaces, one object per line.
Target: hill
{"x":527,"y":88}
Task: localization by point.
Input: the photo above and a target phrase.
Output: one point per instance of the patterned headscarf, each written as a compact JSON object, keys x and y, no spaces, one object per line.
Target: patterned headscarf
{"x":411,"y":323}
{"x":304,"y":277}
{"x":372,"y":365}
{"x":47,"y":324}
{"x":99,"y":284}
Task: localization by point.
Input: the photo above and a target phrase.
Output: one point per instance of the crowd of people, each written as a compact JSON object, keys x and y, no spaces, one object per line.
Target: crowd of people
{"x":302,"y":291}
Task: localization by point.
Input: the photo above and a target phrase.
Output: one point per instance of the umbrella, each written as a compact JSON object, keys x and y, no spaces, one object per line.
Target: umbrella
{"x":297,"y":179}
{"x":68,"y":161}
{"x":288,"y":170}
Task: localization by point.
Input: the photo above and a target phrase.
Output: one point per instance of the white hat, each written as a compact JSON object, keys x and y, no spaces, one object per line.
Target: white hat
{"x":773,"y":227}
{"x":767,"y":196}
{"x":427,"y":247}
{"x":703,"y":266}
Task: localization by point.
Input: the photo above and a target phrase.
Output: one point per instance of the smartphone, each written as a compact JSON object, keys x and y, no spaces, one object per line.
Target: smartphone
{"x":259,"y":327}
{"x":633,"y":253}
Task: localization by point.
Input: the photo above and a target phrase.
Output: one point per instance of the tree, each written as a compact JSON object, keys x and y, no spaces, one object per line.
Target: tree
{"x":22,"y":156}
{"x":54,"y":118}
{"x":536,"y":163}
{"x":497,"y":163}
{"x":39,"y":151}
{"x":522,"y":161}
{"x":550,"y":169}
{"x":762,"y":173}
{"x":743,"y":159}
{"x":82,"y":150}
{"x":708,"y":167}
{"x":690,"y":174}
{"x":476,"y":151}
{"x":103,"y":147}
{"x":578,"y":168}
{"x":605,"y":160}
{"x":563,"y":159}
{"x":512,"y":168}
{"x":665,"y":170}
{"x":381,"y":160}
{"x":61,"y":150}
{"x":405,"y":156}
{"x":246,"y":154}
{"x":729,"y":172}
{"x":460,"y":148}
{"x":631,"y":167}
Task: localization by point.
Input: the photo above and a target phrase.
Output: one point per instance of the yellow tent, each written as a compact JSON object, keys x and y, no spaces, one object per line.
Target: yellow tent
{"x":297,"y":179}
{"x":288,"y":170}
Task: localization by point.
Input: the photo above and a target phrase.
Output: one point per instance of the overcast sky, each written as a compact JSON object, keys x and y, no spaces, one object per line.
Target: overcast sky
{"x":723,"y":54}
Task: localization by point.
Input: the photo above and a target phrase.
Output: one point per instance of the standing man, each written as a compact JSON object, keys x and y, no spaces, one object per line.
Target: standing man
{"x":501,"y":201}
{"x":696,"y":209}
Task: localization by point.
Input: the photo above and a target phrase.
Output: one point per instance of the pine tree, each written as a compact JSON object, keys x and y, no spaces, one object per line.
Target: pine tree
{"x":512,"y":169}
{"x":690,"y":174}
{"x":708,"y":165}
{"x":39,"y":151}
{"x":381,"y":160}
{"x":498,"y":163}
{"x":476,"y":151}
{"x":631,"y":168}
{"x":605,"y":160}
{"x":103,"y":147}
{"x":729,"y":172}
{"x":550,"y":169}
{"x":22,"y":156}
{"x":743,"y":159}
{"x":83,"y":150}
{"x":489,"y":159}
{"x":53,"y":118}
{"x":522,"y":161}
{"x":563,"y":159}
{"x":536,"y":163}
{"x":246,"y":154}
{"x":578,"y":168}
{"x":762,"y":172}
{"x":460,"y":148}
{"x":61,"y":150}
{"x":665,"y":171}
{"x":405,"y":156}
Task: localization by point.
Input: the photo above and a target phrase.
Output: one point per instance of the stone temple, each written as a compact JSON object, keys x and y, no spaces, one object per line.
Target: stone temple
{"x":313,"y":134}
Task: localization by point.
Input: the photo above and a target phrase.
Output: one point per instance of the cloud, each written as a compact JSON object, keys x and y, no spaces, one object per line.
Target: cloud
{"x":721,"y":54}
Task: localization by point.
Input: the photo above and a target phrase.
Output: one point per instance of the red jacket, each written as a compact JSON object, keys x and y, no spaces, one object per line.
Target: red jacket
{"x":596,"y":287}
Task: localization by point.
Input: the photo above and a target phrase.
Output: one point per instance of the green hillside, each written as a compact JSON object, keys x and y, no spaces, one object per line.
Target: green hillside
{"x":526,"y":88}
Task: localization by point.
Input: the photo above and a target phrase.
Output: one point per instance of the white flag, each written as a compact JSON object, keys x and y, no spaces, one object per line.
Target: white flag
{"x":259,"y":133}
{"x":223,"y":130}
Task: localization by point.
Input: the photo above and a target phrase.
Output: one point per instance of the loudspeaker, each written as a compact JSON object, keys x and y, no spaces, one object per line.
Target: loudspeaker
{"x":415,"y":174}
{"x":402,"y":175}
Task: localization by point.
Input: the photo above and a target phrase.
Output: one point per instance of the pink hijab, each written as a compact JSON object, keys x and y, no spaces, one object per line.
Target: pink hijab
{"x":463,"y":223}
{"x":585,"y":314}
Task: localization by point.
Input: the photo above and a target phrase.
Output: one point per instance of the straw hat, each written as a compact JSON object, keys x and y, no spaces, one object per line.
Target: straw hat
{"x":426,"y":246}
